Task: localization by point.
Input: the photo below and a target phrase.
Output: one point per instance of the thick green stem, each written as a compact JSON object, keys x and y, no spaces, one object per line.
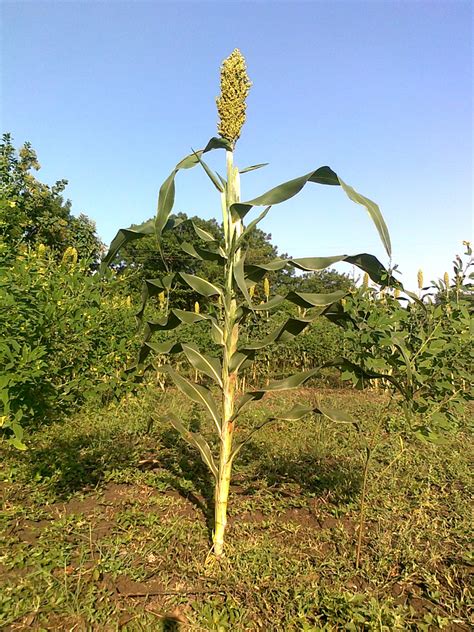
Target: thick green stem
{"x":229,"y":378}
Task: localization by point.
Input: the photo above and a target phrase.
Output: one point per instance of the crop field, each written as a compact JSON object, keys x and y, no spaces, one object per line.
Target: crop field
{"x":106,"y":525}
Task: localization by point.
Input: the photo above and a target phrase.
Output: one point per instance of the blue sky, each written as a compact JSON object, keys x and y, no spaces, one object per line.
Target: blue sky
{"x":112,"y":94}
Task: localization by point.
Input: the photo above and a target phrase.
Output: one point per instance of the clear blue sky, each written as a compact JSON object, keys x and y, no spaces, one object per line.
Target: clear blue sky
{"x":113,"y":94}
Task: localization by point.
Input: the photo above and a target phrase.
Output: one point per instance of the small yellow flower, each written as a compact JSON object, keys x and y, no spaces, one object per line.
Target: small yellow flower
{"x":196,"y":308}
{"x":235,"y":86}
{"x":251,"y":291}
{"x":365,"y":280}
{"x":446,"y":279}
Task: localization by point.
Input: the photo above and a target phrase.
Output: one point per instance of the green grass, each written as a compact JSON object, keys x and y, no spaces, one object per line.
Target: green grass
{"x":106,"y":526}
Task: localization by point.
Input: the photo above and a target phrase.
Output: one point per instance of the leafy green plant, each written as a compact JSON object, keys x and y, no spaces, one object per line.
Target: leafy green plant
{"x":420,"y":349}
{"x":231,"y":303}
{"x":67,"y":336}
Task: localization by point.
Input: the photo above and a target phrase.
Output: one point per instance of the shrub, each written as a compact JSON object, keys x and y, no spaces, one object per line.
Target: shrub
{"x":64,"y":341}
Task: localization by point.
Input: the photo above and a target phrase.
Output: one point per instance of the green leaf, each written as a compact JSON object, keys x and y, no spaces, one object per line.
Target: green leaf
{"x":174,"y":319}
{"x":374,"y":213}
{"x":298,"y":411}
{"x":339,"y":416}
{"x":212,"y":177}
{"x":307,"y":300}
{"x":202,"y":253}
{"x":194,"y":439}
{"x":203,"y":234}
{"x":248,"y":229}
{"x":17,"y":443}
{"x":323,"y":175}
{"x":199,"y":284}
{"x":165,"y":202}
{"x":206,"y":364}
{"x":285,"y":332}
{"x":218,"y":143}
{"x":125,"y":235}
{"x":253,"y":167}
{"x":366,"y":262}
{"x":239,"y":276}
{"x":195,"y":392}
{"x":167,"y":190}
{"x":285,"y":191}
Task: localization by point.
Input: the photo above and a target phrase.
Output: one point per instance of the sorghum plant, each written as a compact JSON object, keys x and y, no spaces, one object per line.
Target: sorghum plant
{"x":233,"y":296}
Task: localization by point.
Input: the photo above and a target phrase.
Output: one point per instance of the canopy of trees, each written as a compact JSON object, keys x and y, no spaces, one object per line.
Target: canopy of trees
{"x":33,"y":213}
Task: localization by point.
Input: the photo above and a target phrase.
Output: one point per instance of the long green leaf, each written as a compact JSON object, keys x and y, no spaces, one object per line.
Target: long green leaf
{"x":212,"y":177}
{"x":167,"y":190}
{"x":248,"y":229}
{"x":202,"y":253}
{"x":125,"y":235}
{"x":206,"y":364}
{"x":253,"y":167}
{"x":283,"y":333}
{"x":303,"y":299}
{"x":239,"y":276}
{"x":195,"y":392}
{"x":374,"y":212}
{"x":194,"y":439}
{"x":199,"y":284}
{"x":323,"y":175}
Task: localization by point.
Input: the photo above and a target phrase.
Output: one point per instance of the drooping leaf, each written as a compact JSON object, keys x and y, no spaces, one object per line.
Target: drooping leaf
{"x":303,"y":299}
{"x":283,"y":333}
{"x":374,"y":213}
{"x":125,"y":235}
{"x":200,"y":285}
{"x":323,"y":175}
{"x":285,"y":191}
{"x":194,"y":439}
{"x":196,"y":393}
{"x":167,"y":190}
{"x":206,"y":364}
{"x":239,"y":276}
{"x":174,"y":319}
{"x":202,"y":253}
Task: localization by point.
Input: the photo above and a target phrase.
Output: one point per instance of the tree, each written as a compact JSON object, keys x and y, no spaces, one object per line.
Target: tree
{"x":33,"y":213}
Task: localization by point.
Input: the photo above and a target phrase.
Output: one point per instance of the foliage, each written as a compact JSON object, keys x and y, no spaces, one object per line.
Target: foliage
{"x":33,"y":213}
{"x":420,"y":349}
{"x":64,"y":338}
{"x":228,"y":300}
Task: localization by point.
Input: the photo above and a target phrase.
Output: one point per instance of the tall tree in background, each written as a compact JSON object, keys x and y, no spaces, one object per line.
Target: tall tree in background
{"x":32,"y":212}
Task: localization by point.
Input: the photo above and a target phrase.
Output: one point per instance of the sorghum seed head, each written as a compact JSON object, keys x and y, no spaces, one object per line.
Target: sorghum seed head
{"x":266,"y":287}
{"x":419,"y":277}
{"x":235,"y":86}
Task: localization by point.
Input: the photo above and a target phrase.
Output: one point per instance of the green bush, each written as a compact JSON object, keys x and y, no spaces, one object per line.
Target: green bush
{"x":64,"y":339}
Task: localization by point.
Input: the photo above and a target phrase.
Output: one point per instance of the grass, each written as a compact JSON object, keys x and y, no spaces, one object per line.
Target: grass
{"x":106,"y":525}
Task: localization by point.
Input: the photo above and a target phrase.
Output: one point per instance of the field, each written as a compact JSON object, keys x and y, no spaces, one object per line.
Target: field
{"x":106,"y":525}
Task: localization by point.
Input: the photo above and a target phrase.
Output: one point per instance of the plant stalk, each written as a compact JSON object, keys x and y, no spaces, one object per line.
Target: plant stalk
{"x":231,"y":334}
